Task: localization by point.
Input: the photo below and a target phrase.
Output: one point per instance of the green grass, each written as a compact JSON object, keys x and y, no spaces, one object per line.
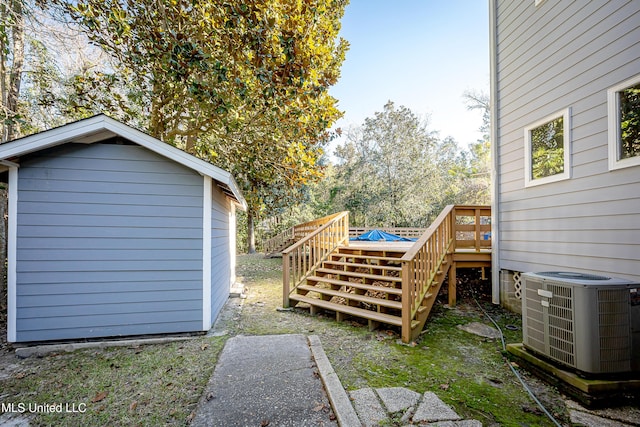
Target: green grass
{"x":161,"y":384}
{"x":147,"y":385}
{"x":464,"y":370}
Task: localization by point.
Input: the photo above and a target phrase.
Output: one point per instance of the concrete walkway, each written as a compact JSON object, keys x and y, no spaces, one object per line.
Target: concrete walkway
{"x":287,"y":380}
{"x":265,"y":381}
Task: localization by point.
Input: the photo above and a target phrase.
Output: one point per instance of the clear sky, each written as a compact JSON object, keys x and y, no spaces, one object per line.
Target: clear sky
{"x":423,"y":54}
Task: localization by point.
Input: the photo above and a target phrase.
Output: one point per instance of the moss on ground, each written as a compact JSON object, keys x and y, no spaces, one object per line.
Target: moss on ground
{"x":161,"y":384}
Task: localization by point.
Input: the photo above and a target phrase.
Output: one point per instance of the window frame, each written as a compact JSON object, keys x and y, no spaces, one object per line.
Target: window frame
{"x":613,"y":117}
{"x":529,"y":181}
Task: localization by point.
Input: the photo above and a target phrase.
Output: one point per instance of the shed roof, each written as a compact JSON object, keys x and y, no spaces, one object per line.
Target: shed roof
{"x":100,"y":128}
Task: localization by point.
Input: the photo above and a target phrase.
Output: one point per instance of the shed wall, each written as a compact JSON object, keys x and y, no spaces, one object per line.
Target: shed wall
{"x":220,"y":253}
{"x":109,"y":242}
{"x":566,"y":54}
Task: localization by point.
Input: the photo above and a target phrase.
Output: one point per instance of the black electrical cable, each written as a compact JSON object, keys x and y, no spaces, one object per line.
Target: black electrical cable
{"x":516,"y":373}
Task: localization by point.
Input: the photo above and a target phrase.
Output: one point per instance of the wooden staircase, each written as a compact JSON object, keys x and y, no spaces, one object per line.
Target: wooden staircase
{"x":365,"y":283}
{"x":382,"y":282}
{"x":360,"y":283}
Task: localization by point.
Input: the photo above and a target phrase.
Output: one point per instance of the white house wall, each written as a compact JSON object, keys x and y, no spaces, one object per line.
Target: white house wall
{"x":559,"y":55}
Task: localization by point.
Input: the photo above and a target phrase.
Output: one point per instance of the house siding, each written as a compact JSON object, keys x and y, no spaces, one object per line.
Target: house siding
{"x":109,"y":242}
{"x":566,"y":54}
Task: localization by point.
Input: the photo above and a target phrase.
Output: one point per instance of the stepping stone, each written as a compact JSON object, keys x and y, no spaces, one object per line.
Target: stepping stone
{"x":397,"y":399}
{"x":368,"y":407}
{"x":432,"y":409}
{"x":480,"y":329}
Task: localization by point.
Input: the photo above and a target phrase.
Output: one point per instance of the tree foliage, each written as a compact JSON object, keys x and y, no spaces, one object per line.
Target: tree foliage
{"x":394,"y":171}
{"x":630,"y":122}
{"x":547,"y":149}
{"x":243,"y":84}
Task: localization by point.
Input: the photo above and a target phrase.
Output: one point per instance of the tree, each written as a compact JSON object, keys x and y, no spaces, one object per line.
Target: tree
{"x":478,"y":171}
{"x":630,"y":122}
{"x":12,"y":49}
{"x":394,"y":171}
{"x":243,"y":84}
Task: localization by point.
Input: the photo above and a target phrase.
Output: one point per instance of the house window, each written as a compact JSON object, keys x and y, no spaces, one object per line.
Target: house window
{"x":624,"y":124}
{"x":548,"y":150}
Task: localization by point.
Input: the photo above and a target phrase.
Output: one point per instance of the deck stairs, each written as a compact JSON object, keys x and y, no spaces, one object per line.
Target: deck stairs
{"x":385,"y":283}
{"x":364,"y":283}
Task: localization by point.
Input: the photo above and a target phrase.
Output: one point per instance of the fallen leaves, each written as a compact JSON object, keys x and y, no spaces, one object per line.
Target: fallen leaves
{"x":100,"y":396}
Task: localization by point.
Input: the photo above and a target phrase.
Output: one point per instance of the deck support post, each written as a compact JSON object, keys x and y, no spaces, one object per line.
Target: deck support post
{"x":452,"y":285}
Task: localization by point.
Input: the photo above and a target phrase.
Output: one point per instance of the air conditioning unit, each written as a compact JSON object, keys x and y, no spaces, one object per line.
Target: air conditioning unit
{"x":586,"y":322}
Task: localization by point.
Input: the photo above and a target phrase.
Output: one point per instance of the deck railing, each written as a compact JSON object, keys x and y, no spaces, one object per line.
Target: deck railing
{"x":296,"y":232}
{"x":456,"y":227}
{"x":408,"y":232}
{"x":304,"y":256}
{"x":274,"y":243}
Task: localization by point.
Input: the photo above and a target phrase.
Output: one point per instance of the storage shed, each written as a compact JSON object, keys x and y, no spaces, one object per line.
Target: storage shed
{"x":112,"y":232}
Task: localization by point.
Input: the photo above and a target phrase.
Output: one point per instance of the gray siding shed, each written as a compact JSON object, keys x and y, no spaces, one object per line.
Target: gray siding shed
{"x":546,"y":58}
{"x":109,"y":237}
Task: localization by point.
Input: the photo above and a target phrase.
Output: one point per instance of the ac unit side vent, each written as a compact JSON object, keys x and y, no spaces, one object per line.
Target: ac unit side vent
{"x":615,"y":339}
{"x":535,"y":329}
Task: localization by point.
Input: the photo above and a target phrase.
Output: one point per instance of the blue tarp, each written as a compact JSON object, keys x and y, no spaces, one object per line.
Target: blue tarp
{"x":377,"y":236}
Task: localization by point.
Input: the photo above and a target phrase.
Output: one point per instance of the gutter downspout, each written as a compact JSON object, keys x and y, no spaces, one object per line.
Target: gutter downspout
{"x":495,"y":150}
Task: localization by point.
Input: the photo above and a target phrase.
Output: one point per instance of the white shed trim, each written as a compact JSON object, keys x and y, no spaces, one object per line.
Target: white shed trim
{"x":102,"y":127}
{"x":232,"y":243}
{"x":12,"y":253}
{"x":206,"y":253}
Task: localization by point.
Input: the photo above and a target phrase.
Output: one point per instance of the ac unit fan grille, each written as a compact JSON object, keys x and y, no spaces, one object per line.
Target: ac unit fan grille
{"x":615,"y":342}
{"x":560,"y":318}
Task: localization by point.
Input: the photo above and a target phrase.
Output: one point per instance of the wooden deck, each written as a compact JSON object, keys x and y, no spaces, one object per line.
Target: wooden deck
{"x":394,"y":283}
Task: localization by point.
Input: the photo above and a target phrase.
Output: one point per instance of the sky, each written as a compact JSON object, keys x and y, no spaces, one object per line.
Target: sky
{"x":422,"y":54}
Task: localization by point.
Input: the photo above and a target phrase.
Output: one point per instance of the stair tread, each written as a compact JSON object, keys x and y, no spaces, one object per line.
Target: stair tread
{"x":393,"y":291}
{"x":360,"y":265}
{"x":361,"y":275}
{"x":354,"y":311}
{"x":377,"y":257}
{"x":347,"y":295}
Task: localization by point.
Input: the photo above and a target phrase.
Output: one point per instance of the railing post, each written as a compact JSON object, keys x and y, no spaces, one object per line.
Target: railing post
{"x":478,"y":232}
{"x":285,"y":280}
{"x":406,"y":301}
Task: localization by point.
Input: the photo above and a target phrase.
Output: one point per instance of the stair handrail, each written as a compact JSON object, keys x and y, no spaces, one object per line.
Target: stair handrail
{"x":296,"y":232}
{"x":423,"y":261}
{"x":303,"y":257}
{"x":420,"y":265}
